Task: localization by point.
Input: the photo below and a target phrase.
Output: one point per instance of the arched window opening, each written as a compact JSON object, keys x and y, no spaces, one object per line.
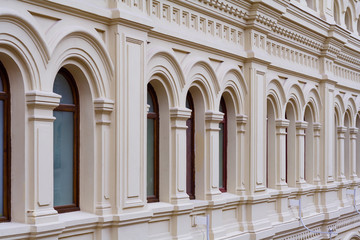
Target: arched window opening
{"x":336,"y":13}
{"x":290,"y":146}
{"x":4,"y":145}
{"x":309,"y":147}
{"x":347,"y":146}
{"x":348,"y":19}
{"x":270,"y":146}
{"x":152,"y":146}
{"x":223,"y":148}
{"x":66,"y":144}
{"x":358,"y":145}
{"x":358,"y":26}
{"x":190,"y":149}
{"x":311,"y":4}
{"x":335,"y":148}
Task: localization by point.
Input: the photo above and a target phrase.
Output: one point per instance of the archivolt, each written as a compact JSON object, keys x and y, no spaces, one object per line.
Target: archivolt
{"x":276,"y":94}
{"x":89,"y":52}
{"x":164,"y":65}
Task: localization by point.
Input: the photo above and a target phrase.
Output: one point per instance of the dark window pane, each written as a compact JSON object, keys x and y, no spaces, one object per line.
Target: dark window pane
{"x":63,"y":158}
{"x":1,"y":158}
{"x":150,"y":157}
{"x":150,"y":102}
{"x":62,"y":87}
{"x":221,"y":155}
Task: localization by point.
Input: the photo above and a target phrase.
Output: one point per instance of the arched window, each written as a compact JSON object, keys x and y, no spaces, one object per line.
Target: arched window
{"x":358,"y":145}
{"x":223,"y":148}
{"x":348,"y":20}
{"x":270,"y":146}
{"x":336,"y":12}
{"x":309,"y":147}
{"x":290,"y":146}
{"x":152,"y":146}
{"x":190,"y":149}
{"x":347,"y":145}
{"x":66,"y":144}
{"x":4,"y":146}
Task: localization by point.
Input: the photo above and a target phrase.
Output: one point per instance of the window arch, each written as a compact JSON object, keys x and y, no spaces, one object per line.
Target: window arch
{"x":66,"y":144}
{"x":190,"y":149}
{"x":152,"y":146}
{"x":348,"y":19}
{"x":4,"y":145}
{"x":290,"y":147}
{"x":270,"y":145}
{"x":309,"y":146}
{"x":223,"y":148}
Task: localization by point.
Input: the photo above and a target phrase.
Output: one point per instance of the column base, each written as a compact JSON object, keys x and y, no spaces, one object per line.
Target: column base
{"x":42,"y":216}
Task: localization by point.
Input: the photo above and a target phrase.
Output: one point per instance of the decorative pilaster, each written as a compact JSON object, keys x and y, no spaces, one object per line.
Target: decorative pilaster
{"x":103,"y":110}
{"x":340,"y":153}
{"x":241,"y":121}
{"x":178,"y":150}
{"x":281,"y":125}
{"x":300,"y":150}
{"x":212,"y":120}
{"x":353,"y":135}
{"x":40,"y":156}
{"x":316,"y":156}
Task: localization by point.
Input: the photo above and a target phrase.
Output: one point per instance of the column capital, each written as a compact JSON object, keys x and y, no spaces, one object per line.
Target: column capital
{"x":103,"y":108}
{"x":180,"y":113}
{"x":302,"y":125}
{"x":341,"y":129}
{"x":41,"y":99}
{"x":214,"y":116}
{"x":353,"y":130}
{"x":317,"y":126}
{"x":41,"y":105}
{"x":282,"y":123}
{"x":242,"y":119}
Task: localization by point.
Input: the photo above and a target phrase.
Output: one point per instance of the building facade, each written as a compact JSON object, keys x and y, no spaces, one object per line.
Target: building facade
{"x":128,"y":119}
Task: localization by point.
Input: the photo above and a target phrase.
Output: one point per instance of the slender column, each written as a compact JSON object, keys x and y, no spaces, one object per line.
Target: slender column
{"x":103,"y":109}
{"x":40,"y":156}
{"x":340,"y":146}
{"x":212,"y":120}
{"x":281,"y":125}
{"x":353,"y":134}
{"x":241,"y":121}
{"x":178,"y":151}
{"x":316,"y":154}
{"x":300,"y":150}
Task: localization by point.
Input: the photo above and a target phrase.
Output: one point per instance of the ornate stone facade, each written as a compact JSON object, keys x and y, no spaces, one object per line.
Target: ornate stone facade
{"x":288,"y":71}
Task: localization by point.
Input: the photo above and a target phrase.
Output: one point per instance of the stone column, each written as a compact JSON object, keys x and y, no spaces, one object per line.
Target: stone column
{"x":300,"y":150}
{"x":241,"y":154}
{"x":212,"y":120}
{"x":340,"y":153}
{"x":40,"y":157}
{"x":281,"y":125}
{"x":103,"y":109}
{"x":352,"y":171}
{"x":178,"y":152}
{"x":316,"y":154}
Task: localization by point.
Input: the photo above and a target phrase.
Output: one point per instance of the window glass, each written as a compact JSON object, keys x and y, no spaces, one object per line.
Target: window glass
{"x":150,"y":102}
{"x":62,"y":87}
{"x":221,"y":155}
{"x":63,"y":158}
{"x":150,"y":157}
{"x":1,"y":158}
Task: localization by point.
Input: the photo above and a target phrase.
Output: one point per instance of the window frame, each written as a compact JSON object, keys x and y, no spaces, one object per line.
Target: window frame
{"x":75,"y":108}
{"x":190,"y":150}
{"x":225,"y":138}
{"x":155,"y":115}
{"x":5,"y":96}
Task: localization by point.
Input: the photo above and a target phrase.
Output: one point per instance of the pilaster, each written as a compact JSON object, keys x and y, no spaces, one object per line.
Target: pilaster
{"x":281,"y":125}
{"x":178,"y":118}
{"x":341,"y":130}
{"x":40,"y":107}
{"x":353,"y":136}
{"x":316,"y":154}
{"x":300,"y":150}
{"x":241,"y":121}
{"x":103,"y":110}
{"x":212,"y":120}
